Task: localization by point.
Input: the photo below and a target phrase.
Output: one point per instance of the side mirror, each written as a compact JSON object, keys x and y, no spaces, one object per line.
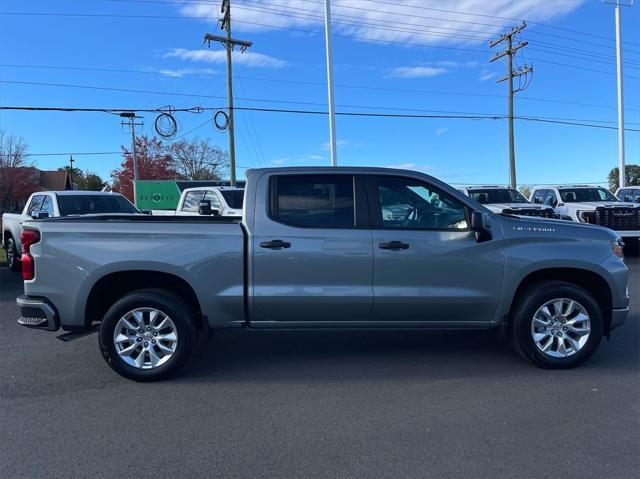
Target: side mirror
{"x":204,"y":208}
{"x":38,"y":215}
{"x":481,"y":225}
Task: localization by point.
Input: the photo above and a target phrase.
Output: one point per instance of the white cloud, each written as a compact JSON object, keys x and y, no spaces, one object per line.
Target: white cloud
{"x":250,"y":59}
{"x":339,"y":142}
{"x":181,"y":72}
{"x":417,"y":72}
{"x":409,"y":21}
{"x":441,"y":131}
{"x":280,"y":161}
{"x":486,"y":75}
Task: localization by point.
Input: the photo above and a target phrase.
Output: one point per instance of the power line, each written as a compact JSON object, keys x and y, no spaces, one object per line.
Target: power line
{"x":458,"y":12}
{"x":344,"y":113}
{"x":302,"y":82}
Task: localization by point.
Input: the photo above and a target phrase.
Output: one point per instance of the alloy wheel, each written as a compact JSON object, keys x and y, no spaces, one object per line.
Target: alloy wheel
{"x":145,"y":338}
{"x":560,"y":327}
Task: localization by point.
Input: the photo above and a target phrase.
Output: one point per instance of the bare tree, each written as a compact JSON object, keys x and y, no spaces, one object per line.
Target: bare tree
{"x":197,"y":159}
{"x":15,"y":178}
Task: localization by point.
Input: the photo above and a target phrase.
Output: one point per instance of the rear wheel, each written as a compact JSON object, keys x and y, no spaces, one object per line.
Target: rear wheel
{"x":12,"y":254}
{"x":556,"y":325}
{"x":147,"y":335}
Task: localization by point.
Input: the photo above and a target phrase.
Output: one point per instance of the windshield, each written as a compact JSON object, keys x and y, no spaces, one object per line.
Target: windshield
{"x":495,"y":195}
{"x":572,"y":195}
{"x":234,"y":198}
{"x":94,"y":204}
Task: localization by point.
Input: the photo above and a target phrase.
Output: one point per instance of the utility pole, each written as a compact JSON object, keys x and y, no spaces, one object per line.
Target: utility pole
{"x":621,"y":161}
{"x":332,"y":112}
{"x":71,"y":160}
{"x":510,"y":52}
{"x":229,"y":43}
{"x":131,"y":123}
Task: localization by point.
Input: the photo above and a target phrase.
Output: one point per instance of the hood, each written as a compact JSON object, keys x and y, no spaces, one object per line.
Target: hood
{"x":600,"y":204}
{"x":498,"y":207}
{"x":546,"y":227}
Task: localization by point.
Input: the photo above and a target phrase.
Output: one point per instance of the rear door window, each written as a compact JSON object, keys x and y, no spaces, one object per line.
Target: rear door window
{"x":313,"y":201}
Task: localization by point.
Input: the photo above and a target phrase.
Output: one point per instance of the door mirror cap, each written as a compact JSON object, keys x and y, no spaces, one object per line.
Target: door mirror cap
{"x":481,"y":225}
{"x":204,"y":209}
{"x":39,"y":215}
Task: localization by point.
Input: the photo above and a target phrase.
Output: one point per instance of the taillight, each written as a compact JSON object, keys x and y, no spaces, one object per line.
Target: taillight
{"x":28,"y":238}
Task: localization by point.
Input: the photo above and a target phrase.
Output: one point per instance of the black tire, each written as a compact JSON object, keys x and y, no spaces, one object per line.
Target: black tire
{"x":535,"y":297}
{"x":12,"y":254}
{"x":170,"y":304}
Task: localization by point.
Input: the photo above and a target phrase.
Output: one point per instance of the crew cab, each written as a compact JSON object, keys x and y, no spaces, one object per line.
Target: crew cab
{"x":224,"y":200}
{"x":50,"y":204}
{"x":500,"y":199}
{"x":317,"y":248}
{"x":591,"y":204}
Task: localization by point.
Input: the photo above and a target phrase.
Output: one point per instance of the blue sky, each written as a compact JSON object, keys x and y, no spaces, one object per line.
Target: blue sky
{"x":384,"y":63}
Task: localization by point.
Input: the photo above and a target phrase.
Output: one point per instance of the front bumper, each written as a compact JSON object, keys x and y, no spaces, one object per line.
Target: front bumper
{"x":618,"y":317}
{"x":37,"y":313}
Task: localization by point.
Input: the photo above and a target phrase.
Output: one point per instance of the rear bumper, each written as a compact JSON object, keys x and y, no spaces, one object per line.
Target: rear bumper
{"x":37,"y":313}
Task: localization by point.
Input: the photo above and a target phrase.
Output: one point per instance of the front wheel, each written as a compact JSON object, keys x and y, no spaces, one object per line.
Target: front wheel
{"x":12,"y":254}
{"x":147,"y":335}
{"x":556,"y":325}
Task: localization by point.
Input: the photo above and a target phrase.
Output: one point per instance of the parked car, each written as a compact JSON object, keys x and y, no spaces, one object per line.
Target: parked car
{"x":49,"y":204}
{"x":593,"y":205}
{"x":225,"y":201}
{"x":503,"y":200}
{"x":315,"y":250}
{"x":629,"y":194}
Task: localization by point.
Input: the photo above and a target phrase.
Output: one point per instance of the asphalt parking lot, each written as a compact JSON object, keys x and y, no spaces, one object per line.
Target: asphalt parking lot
{"x":349,"y":404}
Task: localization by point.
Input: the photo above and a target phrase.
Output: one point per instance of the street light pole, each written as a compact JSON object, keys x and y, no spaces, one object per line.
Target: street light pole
{"x":332,"y":112}
{"x":621,"y":165}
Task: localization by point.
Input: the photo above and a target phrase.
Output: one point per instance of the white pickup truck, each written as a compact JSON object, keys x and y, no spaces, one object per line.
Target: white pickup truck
{"x":591,"y":204}
{"x":224,"y":201}
{"x":50,"y":204}
{"x":503,"y":200}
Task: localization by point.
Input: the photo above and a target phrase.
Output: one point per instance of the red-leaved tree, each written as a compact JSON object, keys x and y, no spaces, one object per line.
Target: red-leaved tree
{"x":154,"y":163}
{"x":18,"y":179}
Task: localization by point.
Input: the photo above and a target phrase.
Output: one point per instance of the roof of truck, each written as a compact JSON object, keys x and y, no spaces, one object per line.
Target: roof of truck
{"x":82,"y":193}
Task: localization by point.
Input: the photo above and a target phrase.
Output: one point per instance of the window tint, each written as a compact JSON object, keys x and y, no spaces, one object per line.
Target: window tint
{"x":322,"y":201}
{"x":47,"y":205}
{"x":94,"y":204}
{"x":215,"y":201}
{"x":234,"y":198}
{"x":497,"y":195}
{"x":191,"y":200}
{"x":409,"y":203}
{"x":570,"y":195}
{"x":551,"y":198}
{"x":36,"y":203}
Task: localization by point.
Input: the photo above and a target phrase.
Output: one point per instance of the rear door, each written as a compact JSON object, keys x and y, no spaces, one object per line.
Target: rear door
{"x":311,"y":251}
{"x":428,"y":266}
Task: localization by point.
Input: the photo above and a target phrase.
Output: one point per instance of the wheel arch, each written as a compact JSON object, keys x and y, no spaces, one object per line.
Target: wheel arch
{"x":592,"y":282}
{"x":112,"y":286}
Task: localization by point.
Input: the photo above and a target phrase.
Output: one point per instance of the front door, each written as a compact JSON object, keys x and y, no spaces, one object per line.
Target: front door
{"x":311,"y":259}
{"x":428,"y":266}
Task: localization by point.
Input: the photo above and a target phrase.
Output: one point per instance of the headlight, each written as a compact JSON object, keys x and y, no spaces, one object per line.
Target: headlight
{"x":617,"y":246}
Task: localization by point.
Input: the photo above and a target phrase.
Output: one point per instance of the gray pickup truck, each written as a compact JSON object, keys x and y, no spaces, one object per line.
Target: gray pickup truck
{"x":324,"y":248}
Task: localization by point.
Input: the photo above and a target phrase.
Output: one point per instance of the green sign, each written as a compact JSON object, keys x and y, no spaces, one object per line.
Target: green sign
{"x":157,"y":195}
